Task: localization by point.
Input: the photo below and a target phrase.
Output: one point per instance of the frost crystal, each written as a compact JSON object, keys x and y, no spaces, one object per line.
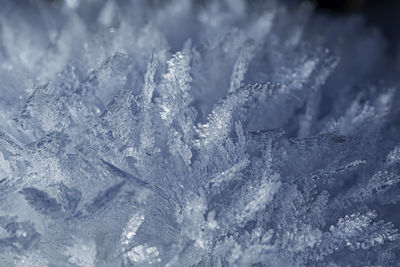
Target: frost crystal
{"x":195,"y":133}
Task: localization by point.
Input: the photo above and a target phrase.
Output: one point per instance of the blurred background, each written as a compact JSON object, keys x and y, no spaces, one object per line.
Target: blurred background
{"x":383,"y":14}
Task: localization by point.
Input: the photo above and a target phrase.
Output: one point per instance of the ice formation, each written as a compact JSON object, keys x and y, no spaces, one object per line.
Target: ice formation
{"x":195,"y":133}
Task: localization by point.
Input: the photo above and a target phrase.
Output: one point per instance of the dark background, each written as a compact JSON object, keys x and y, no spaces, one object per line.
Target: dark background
{"x":384,"y":14}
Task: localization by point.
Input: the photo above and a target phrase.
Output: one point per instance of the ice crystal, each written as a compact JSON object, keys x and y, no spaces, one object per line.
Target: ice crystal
{"x":195,"y":133}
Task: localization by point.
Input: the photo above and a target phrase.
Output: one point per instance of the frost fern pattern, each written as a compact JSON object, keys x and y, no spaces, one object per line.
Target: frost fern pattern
{"x":195,"y":133}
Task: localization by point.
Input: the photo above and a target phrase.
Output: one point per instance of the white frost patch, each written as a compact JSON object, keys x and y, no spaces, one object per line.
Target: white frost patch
{"x":131,"y":228}
{"x":144,"y":254}
{"x":82,"y":253}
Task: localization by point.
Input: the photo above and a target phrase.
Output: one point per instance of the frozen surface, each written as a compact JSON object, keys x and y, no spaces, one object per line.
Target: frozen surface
{"x":195,"y":133}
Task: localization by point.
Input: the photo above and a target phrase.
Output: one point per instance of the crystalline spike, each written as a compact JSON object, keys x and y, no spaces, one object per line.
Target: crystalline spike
{"x":241,"y":66}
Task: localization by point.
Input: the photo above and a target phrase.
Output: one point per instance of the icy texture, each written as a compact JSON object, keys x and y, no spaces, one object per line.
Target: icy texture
{"x":204,"y":133}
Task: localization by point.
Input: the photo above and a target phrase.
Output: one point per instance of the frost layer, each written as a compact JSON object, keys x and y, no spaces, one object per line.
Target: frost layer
{"x":204,"y":133}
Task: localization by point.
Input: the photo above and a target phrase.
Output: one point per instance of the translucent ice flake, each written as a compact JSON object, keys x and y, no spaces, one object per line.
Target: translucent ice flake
{"x":175,"y":86}
{"x":229,"y":174}
{"x":255,"y":198}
